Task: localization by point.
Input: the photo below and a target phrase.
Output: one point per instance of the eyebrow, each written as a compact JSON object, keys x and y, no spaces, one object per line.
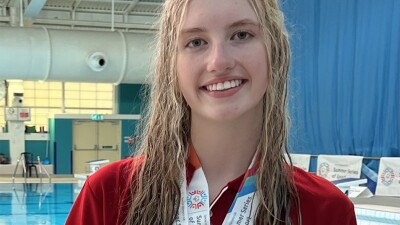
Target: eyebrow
{"x":240,"y":23}
{"x":192,"y":30}
{"x":244,"y":22}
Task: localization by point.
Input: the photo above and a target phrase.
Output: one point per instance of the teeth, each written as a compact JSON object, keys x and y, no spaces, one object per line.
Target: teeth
{"x":227,"y":84}
{"x":224,"y":86}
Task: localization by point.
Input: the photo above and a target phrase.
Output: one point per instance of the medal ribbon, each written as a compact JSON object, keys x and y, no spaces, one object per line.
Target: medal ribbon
{"x":195,"y":203}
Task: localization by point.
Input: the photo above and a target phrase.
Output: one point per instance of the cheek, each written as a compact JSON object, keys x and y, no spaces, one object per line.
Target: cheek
{"x":257,"y":63}
{"x":184,"y":85}
{"x":186,"y":70}
{"x":259,"y":67}
{"x":180,"y":70}
{"x":256,"y":57}
{"x":183,"y":69}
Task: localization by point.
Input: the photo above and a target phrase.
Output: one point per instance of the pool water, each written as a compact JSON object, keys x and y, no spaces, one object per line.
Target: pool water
{"x":36,"y":203}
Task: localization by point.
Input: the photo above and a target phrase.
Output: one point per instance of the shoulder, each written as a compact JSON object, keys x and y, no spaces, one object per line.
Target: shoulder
{"x":311,"y":185}
{"x":104,"y":198}
{"x":320,"y":198}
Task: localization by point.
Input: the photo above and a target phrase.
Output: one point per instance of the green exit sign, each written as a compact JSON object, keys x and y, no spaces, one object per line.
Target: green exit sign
{"x":97,"y":117}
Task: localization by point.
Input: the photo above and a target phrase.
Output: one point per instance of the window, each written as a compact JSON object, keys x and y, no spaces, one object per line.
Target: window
{"x":48,"y":98}
{"x":88,"y":98}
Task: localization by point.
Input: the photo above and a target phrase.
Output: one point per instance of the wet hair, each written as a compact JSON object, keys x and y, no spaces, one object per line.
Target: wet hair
{"x":165,"y":127}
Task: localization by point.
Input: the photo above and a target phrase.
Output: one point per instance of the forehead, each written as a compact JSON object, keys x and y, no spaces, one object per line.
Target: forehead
{"x":200,"y":12}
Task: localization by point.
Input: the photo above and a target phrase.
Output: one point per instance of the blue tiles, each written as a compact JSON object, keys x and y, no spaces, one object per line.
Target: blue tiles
{"x":36,"y":203}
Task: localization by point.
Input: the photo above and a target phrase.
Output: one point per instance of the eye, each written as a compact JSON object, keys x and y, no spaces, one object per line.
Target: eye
{"x":195,"y":43}
{"x":241,"y":35}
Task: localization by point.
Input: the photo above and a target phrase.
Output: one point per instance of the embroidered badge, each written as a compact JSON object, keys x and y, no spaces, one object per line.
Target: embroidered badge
{"x":387,"y":176}
{"x":196,"y":199}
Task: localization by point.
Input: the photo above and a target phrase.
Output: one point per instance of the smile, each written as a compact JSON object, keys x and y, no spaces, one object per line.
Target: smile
{"x":223,"y":85}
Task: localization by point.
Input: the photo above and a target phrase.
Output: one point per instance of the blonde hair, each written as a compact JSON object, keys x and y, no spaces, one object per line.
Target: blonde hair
{"x":155,"y":194}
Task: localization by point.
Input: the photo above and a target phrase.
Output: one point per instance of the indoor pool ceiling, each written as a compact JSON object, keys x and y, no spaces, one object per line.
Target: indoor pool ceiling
{"x":124,"y":15}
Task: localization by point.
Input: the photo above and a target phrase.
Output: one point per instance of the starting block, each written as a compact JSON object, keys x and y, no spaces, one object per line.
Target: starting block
{"x":351,"y":187}
{"x":95,"y":165}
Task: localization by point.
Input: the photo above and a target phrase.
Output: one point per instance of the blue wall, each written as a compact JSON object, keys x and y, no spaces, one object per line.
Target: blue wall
{"x":61,"y":145}
{"x":130,"y":101}
{"x":128,"y":128}
{"x":344,"y":81}
{"x":129,"y":98}
{"x":5,"y":147}
{"x":37,"y":148}
{"x":51,"y":140}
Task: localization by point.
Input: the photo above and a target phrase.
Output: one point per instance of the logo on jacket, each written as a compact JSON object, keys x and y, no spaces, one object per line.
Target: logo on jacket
{"x":196,"y":199}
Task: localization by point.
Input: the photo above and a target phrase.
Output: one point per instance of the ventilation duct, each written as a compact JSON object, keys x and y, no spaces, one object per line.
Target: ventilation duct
{"x":76,"y":56}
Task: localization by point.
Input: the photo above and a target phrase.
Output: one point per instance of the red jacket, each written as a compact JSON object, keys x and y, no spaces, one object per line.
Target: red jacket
{"x":104,"y":199}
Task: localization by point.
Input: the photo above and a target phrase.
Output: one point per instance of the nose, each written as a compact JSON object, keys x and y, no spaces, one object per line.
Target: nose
{"x":220,"y":59}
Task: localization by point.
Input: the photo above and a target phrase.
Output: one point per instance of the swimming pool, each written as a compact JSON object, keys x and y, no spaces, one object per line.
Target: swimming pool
{"x":47,"y":204}
{"x":36,"y":203}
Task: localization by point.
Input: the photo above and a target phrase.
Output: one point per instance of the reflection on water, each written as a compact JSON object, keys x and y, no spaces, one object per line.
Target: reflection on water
{"x":36,"y":203}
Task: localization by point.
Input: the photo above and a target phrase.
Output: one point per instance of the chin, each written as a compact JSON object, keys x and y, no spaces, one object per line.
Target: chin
{"x":225,"y":116}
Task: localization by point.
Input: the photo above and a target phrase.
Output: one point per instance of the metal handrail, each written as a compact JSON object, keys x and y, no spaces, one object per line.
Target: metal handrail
{"x":40,"y":166}
{"x":44,"y":169}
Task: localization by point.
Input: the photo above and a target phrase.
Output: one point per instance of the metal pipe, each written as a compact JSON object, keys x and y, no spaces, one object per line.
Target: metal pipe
{"x":77,"y":56}
{"x":21,"y":14}
{"x":112,"y":14}
{"x":138,"y":26}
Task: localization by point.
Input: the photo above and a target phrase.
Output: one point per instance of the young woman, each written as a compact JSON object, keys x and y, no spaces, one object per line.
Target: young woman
{"x":215,"y":134}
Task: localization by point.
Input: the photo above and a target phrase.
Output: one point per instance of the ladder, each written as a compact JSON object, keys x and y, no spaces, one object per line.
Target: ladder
{"x":41,"y":168}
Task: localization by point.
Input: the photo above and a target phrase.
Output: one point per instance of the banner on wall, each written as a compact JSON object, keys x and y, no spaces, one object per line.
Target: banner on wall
{"x":300,"y":160}
{"x":388,"y":183}
{"x":337,"y":167}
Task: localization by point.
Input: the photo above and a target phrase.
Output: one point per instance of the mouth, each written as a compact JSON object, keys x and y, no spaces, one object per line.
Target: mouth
{"x":222,"y":86}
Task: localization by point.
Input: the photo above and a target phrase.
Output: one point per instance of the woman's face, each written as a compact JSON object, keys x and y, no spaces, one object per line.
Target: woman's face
{"x":222,"y":60}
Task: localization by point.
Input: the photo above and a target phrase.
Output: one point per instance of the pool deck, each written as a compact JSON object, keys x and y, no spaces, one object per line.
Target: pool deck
{"x":54,"y":179}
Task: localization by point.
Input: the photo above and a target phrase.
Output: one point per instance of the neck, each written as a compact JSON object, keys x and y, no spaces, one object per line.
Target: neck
{"x":225,"y":149}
